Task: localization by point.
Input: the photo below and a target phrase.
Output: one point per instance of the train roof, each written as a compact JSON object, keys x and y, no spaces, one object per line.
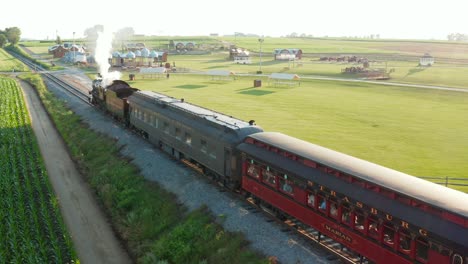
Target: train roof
{"x":198,"y":111}
{"x":438,"y":226}
{"x":431,"y":193}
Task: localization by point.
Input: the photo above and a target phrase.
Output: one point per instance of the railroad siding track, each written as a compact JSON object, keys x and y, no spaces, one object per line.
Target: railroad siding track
{"x":65,"y":85}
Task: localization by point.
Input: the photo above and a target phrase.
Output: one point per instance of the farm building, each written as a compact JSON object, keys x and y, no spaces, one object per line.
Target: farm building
{"x":59,"y":51}
{"x":221,"y":75}
{"x":183,"y":45}
{"x":287,"y":54}
{"x":135,"y":46}
{"x":240,"y":56}
{"x":138,"y":58}
{"x":426,"y":60}
{"x":289,"y":79}
{"x":157,"y":72}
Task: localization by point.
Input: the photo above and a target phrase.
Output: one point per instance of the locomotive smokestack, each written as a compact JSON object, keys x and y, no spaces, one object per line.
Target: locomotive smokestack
{"x":252,"y":122}
{"x":102,"y":53}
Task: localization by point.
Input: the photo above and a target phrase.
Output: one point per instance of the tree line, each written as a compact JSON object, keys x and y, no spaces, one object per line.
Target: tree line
{"x":10,"y":35}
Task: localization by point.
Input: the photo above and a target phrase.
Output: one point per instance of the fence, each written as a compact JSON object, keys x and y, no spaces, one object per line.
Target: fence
{"x":446,"y":181}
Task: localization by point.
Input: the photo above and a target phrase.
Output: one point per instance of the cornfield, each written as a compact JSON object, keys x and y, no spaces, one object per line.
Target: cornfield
{"x":31,"y":227}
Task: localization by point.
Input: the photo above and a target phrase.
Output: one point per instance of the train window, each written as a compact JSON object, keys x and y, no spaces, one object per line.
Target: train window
{"x":373,"y":227}
{"x":388,"y":234}
{"x":188,"y":139}
{"x":346,"y":215}
{"x":137,"y":113}
{"x":311,"y":200}
{"x":405,"y":242}
{"x":151,"y":120}
{"x":145,"y":117}
{"x":166,"y":127}
{"x":359,"y":220}
{"x":322,"y":202}
{"x":203,"y":146}
{"x":178,"y":133}
{"x":253,"y":171}
{"x":269,"y":178}
{"x":156,"y":122}
{"x":286,"y":186}
{"x":212,"y":153}
{"x":334,"y":210}
{"x":422,"y":249}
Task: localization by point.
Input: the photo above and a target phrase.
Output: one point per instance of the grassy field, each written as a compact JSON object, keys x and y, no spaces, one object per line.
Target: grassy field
{"x":421,"y":132}
{"x":418,"y":131}
{"x":8,"y":63}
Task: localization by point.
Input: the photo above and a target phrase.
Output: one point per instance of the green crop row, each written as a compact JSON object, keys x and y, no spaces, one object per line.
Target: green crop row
{"x":32,"y":229}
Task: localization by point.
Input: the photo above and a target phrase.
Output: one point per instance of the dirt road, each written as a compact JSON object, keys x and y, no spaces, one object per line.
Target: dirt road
{"x":93,"y":238}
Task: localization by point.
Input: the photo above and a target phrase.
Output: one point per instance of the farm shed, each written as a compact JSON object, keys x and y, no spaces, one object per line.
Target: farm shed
{"x":135,"y":46}
{"x":221,"y":75}
{"x":284,"y":79}
{"x":287,"y":54}
{"x":426,"y":60}
{"x":180,"y":45}
{"x":153,"y":72}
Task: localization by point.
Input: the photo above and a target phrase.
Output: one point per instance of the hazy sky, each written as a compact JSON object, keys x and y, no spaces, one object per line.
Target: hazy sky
{"x":416,"y":19}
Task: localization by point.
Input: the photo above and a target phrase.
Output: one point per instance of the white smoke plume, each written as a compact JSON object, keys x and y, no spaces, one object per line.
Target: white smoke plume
{"x":102,"y":54}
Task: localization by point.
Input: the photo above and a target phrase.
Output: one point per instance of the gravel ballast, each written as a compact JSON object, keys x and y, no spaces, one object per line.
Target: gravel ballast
{"x":194,"y":191}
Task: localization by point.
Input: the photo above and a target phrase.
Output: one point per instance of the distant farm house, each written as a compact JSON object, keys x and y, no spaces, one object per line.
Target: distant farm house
{"x":287,"y":54}
{"x":426,"y":60}
{"x":240,"y":56}
{"x":59,"y":51}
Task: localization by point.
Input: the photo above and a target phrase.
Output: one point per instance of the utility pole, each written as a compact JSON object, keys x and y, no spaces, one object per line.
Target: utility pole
{"x":261,"y":42}
{"x":74,"y":48}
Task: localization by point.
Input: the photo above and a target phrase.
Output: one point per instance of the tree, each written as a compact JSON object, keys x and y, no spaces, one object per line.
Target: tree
{"x":124,"y":33}
{"x":92,"y":33}
{"x":59,"y":40}
{"x":3,"y":40}
{"x":13,"y":35}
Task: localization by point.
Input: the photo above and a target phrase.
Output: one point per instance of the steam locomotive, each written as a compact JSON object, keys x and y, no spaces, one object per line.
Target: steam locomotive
{"x":384,"y":215}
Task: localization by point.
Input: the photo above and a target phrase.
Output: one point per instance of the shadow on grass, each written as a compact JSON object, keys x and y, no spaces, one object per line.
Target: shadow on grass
{"x":256,"y":92}
{"x":414,"y":71}
{"x":216,"y":61}
{"x":352,"y":84}
{"x":215,"y":67}
{"x":190,"y":86}
{"x":273,"y":62}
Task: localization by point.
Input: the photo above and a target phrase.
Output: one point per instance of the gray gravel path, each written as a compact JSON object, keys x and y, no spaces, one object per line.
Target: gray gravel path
{"x":194,"y":191}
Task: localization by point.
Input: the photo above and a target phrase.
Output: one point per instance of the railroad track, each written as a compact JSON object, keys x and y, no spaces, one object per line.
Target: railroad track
{"x":52,"y":78}
{"x":338,"y":252}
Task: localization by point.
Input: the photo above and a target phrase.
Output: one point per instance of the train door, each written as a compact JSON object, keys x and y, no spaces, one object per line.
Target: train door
{"x":227,"y":162}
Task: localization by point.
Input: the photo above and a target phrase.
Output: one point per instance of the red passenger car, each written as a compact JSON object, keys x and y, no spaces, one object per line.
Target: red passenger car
{"x":382,"y":214}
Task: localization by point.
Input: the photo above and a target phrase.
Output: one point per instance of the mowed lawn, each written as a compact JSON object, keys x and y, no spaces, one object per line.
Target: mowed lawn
{"x":8,"y":63}
{"x":422,"y":132}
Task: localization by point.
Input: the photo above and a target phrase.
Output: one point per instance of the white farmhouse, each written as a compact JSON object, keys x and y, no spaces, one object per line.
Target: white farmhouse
{"x":426,"y":60}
